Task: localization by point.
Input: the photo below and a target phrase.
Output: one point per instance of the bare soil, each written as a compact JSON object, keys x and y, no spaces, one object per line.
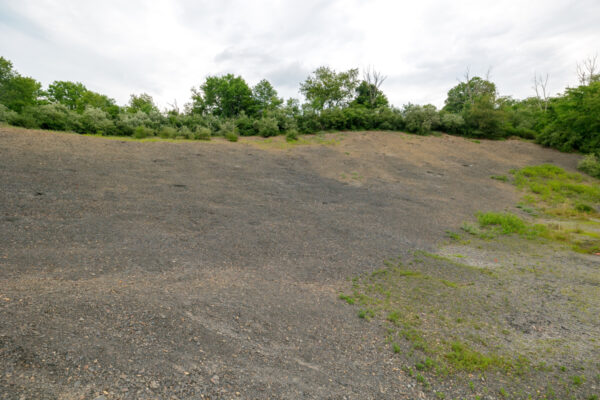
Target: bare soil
{"x":151,"y":270}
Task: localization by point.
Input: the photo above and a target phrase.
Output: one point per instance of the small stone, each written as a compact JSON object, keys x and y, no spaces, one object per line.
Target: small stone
{"x":154,"y":385}
{"x":215,"y":379}
{"x":101,"y":397}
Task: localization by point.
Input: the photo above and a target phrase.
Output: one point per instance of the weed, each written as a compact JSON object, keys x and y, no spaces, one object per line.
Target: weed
{"x":502,"y":178}
{"x":503,"y":392}
{"x":463,"y":358}
{"x":347,"y":299}
{"x":396,"y":348}
{"x":578,"y":380}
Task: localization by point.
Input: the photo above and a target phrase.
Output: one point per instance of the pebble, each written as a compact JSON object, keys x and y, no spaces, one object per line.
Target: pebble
{"x":215,"y":379}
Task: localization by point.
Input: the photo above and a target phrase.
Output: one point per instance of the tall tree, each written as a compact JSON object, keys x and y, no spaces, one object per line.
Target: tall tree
{"x":225,"y":96}
{"x":265,"y":96}
{"x":19,"y":92}
{"x":467,"y":92}
{"x":67,"y":93}
{"x":143,"y":102}
{"x":325,"y":88}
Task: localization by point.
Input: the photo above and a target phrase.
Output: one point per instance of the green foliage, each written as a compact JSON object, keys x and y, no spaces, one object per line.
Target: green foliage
{"x":266,"y":127}
{"x":142,"y":132}
{"x":225,"y":96}
{"x":326,"y":88}
{"x":466,"y":93}
{"x":483,"y":118}
{"x":228,"y":130}
{"x":265,"y":96}
{"x":574,"y":120}
{"x":368,"y":95}
{"x":204,"y":133}
{"x":452,"y":123}
{"x":19,"y":92}
{"x":141,"y":103}
{"x":167,"y":132}
{"x":590,"y":164}
{"x":69,"y":94}
{"x":94,"y":120}
{"x":291,"y":135}
{"x":55,"y":117}
{"x":420,"y":119}
{"x":6,"y":115}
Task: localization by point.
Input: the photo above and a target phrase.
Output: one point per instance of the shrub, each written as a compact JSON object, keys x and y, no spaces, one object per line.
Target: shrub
{"x":6,"y":115}
{"x":574,"y":120}
{"x":245,"y":125}
{"x":185,"y":133}
{"x":590,"y":164}
{"x":453,"y":123}
{"x":55,"y":116}
{"x":267,"y":127}
{"x":227,"y":128}
{"x":421,"y":119}
{"x":142,"y":132}
{"x":126,"y":123}
{"x":94,"y":120}
{"x":231,"y":136}
{"x":309,"y":122}
{"x":202,"y":133}
{"x":291,"y":135}
{"x":167,"y":132}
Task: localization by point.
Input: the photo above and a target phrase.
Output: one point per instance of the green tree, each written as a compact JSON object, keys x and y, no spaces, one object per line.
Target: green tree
{"x":19,"y":92}
{"x":265,"y":96}
{"x":143,"y":103}
{"x":66,"y":93}
{"x":574,"y":120}
{"x":6,"y":70}
{"x":325,"y":88}
{"x":370,"y":96}
{"x":467,"y":92}
{"x":226,"y":96}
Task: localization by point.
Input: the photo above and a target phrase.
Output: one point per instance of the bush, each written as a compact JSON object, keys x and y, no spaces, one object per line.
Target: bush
{"x":291,"y":135}
{"x":142,"y":132}
{"x":245,"y":125}
{"x":453,"y":123}
{"x":94,"y":120}
{"x":126,"y":123}
{"x":185,"y":133}
{"x":202,"y":133}
{"x":590,"y":164}
{"x":55,"y":117}
{"x":334,"y":119}
{"x":167,"y":132}
{"x":6,"y":115}
{"x":267,"y":127}
{"x":574,"y":120}
{"x":229,"y":131}
{"x":421,"y":119}
{"x":309,"y":122}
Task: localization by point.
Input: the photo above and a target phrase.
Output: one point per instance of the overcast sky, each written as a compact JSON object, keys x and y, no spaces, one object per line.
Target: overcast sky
{"x":165,"y":47}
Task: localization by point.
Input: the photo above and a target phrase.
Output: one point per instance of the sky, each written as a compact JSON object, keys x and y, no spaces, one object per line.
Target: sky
{"x":165,"y":47}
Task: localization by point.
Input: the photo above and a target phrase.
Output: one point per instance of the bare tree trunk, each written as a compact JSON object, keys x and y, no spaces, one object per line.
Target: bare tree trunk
{"x":587,"y":71}
{"x":540,"y":85}
{"x":374,"y":80}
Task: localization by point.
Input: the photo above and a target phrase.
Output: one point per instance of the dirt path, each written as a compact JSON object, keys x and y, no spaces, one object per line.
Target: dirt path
{"x":212,"y":270}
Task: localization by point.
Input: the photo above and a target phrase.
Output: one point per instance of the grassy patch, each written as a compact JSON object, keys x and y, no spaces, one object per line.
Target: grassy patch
{"x":564,"y":207}
{"x":557,"y":192}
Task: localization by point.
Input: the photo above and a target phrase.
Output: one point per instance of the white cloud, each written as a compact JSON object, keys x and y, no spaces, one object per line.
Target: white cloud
{"x":166,"y":47}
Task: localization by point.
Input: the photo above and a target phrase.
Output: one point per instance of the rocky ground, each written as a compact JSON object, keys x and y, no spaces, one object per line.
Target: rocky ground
{"x":189,"y":270}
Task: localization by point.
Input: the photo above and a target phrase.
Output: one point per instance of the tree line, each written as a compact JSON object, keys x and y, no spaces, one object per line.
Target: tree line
{"x":226,"y":105}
